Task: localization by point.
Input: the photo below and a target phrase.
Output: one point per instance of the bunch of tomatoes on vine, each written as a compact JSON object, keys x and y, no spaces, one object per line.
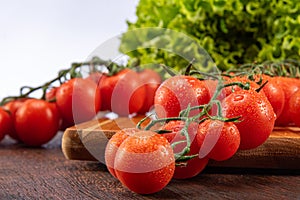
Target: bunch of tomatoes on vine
{"x":74,"y":97}
{"x":204,"y":116}
{"x":194,"y":116}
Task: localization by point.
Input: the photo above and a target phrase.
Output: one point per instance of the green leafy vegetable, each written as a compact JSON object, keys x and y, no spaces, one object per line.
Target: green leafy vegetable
{"x":231,"y":31}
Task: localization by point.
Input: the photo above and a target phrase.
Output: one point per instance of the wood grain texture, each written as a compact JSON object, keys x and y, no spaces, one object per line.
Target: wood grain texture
{"x":44,"y":173}
{"x":87,"y":141}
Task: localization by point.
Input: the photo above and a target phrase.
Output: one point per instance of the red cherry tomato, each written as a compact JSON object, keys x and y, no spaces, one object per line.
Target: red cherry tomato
{"x":113,"y":146}
{"x":106,"y":86}
{"x":143,"y":162}
{"x":193,"y":166}
{"x":290,"y":86}
{"x":177,"y":92}
{"x":95,"y":77}
{"x":12,"y":107}
{"x":51,"y":97}
{"x":6,"y":123}
{"x":275,"y":94}
{"x":294,"y":105}
{"x":123,"y":93}
{"x":78,"y":100}
{"x":221,"y":139}
{"x":151,"y":80}
{"x":36,"y":122}
{"x":51,"y":94}
{"x":257,"y":116}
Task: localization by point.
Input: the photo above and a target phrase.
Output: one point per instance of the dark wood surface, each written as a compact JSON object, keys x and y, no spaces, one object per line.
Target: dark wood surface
{"x":45,"y":173}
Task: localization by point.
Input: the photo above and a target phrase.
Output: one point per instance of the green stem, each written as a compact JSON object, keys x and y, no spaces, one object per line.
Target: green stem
{"x":185,"y":133}
{"x":186,"y":158}
{"x":153,"y":122}
{"x":189,"y":67}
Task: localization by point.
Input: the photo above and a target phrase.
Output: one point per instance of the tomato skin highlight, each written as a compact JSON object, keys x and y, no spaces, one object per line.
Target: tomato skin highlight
{"x":221,"y":139}
{"x":144,"y":162}
{"x":78,"y":100}
{"x":6,"y":123}
{"x":193,"y":166}
{"x":177,"y":92}
{"x":257,"y":116}
{"x":36,"y":122}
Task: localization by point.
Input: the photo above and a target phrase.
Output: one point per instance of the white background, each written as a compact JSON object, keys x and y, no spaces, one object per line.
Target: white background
{"x":40,"y":37}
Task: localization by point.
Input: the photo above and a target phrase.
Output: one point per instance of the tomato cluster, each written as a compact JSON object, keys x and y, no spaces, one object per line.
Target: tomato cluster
{"x":35,"y":121}
{"x":196,"y":119}
{"x":127,"y":92}
{"x":202,"y":120}
{"x":205,"y":119}
{"x":254,"y":109}
{"x":281,"y":92}
{"x":31,"y":121}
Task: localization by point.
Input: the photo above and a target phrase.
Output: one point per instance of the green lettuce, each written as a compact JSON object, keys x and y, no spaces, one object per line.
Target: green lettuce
{"x":232,"y":32}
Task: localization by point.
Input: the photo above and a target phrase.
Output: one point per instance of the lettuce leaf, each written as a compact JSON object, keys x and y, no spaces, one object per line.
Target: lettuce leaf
{"x":232,"y":32}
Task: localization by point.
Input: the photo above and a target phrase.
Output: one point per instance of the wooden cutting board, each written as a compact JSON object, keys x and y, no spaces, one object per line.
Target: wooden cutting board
{"x":87,"y":141}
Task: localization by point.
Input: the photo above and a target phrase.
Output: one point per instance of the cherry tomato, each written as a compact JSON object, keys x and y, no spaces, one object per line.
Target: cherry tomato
{"x":144,"y":161}
{"x":6,"y":123}
{"x":51,"y":94}
{"x":151,"y":80}
{"x":78,"y":100}
{"x":123,"y":93}
{"x":221,"y":139}
{"x":95,"y":77}
{"x":290,"y":86}
{"x":294,"y":105}
{"x":177,"y":92}
{"x":12,"y":107}
{"x":257,"y":116}
{"x":113,"y":146}
{"x":36,"y":122}
{"x":273,"y":91}
{"x":275,"y":94}
{"x":106,"y":86}
{"x":51,"y":97}
{"x":193,"y":166}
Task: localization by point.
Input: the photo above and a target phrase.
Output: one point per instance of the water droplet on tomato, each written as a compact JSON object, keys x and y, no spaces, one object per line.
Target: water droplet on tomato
{"x":238,"y":98}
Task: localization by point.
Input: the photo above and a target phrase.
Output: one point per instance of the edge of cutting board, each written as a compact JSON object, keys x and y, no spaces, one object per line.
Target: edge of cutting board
{"x":280,"y":151}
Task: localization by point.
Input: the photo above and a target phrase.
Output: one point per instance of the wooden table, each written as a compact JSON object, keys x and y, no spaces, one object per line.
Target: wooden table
{"x":44,"y":173}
